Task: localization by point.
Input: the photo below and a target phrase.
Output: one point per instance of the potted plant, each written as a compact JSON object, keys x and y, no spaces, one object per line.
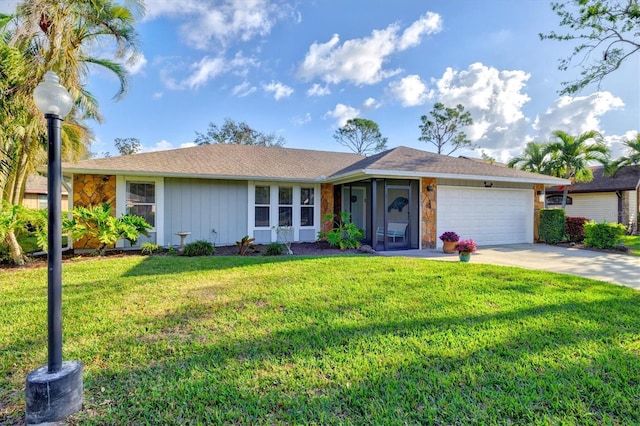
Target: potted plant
{"x":449,"y":240}
{"x":465,"y":248}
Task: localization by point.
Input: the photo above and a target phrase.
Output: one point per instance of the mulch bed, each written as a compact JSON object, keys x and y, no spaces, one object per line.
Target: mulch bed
{"x":298,"y":249}
{"x":617,"y":250}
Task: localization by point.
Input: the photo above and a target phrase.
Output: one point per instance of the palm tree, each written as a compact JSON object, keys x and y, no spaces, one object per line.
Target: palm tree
{"x":534,"y":159}
{"x":573,"y":154}
{"x":58,"y":35}
{"x":631,"y":159}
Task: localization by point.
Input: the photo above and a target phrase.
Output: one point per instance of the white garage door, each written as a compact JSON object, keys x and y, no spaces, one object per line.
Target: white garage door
{"x":487,"y":215}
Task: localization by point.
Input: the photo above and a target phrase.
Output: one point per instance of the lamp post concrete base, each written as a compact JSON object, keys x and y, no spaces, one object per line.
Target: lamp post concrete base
{"x":52,"y":397}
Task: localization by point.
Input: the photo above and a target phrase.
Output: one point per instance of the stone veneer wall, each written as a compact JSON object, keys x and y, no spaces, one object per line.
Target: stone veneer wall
{"x":326,"y":204}
{"x":625,"y":208}
{"x":537,"y":205}
{"x":89,"y":191}
{"x":428,"y":200}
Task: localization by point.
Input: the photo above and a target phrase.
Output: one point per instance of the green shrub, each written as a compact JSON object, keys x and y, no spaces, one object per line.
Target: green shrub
{"x":199,"y":248}
{"x":574,"y":228}
{"x":245,"y":245}
{"x":552,"y":225}
{"x":345,"y":234}
{"x":274,"y":249}
{"x":150,"y":248}
{"x":603,"y":235}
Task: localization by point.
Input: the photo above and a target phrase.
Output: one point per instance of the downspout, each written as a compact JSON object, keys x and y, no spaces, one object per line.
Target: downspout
{"x":619,"y":195}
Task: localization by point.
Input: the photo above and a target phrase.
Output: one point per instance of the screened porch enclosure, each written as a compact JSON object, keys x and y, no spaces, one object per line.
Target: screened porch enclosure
{"x":387,"y":210}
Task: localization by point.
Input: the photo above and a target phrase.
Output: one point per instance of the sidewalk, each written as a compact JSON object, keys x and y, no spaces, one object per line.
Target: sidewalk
{"x":615,"y":268}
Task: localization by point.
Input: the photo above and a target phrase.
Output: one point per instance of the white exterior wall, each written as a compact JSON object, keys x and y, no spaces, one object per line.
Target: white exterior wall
{"x":486,"y":215}
{"x":633,"y":209}
{"x":598,"y":207}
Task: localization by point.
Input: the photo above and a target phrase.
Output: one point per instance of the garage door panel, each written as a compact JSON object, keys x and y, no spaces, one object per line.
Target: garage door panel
{"x":489,"y":216}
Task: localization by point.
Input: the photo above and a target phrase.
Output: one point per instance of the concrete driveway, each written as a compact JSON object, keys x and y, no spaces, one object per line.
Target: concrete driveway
{"x":615,"y":268}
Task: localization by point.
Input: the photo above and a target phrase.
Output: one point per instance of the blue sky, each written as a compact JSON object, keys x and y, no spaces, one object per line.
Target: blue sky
{"x":301,"y":69}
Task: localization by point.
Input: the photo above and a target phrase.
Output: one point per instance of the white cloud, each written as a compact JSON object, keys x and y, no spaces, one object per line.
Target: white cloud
{"x":208,"y":68}
{"x":371,"y":104}
{"x":8,"y":7}
{"x":278,"y":89}
{"x":187,"y":144}
{"x":243,"y":89}
{"x":428,"y":24}
{"x":576,"y":115}
{"x":136,"y":63}
{"x":204,"y":70}
{"x":318,"y":90}
{"x":495,"y":100}
{"x":342,"y":113}
{"x":410,"y":91}
{"x":224,"y":22}
{"x":157,"y":95}
{"x":301,"y":121}
{"x":360,"y":61}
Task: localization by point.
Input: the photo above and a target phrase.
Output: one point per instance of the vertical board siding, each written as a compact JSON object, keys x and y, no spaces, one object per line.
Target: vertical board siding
{"x":199,"y":206}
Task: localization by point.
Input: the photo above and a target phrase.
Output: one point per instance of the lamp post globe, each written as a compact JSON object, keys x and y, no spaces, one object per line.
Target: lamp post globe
{"x":54,"y":391}
{"x":51,"y":97}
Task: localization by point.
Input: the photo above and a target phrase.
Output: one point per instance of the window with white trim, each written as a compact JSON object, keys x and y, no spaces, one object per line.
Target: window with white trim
{"x":141,"y":200}
{"x":262,"y":205}
{"x":285,"y":206}
{"x":306,"y":206}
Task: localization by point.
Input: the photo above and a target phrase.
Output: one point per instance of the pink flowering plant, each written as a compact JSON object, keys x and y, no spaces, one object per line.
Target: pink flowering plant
{"x":449,"y":236}
{"x":467,"y":246}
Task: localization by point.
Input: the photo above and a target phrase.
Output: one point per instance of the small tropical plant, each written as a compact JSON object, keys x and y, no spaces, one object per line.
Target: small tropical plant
{"x":98,"y":222}
{"x":150,"y":248}
{"x":344,"y":234}
{"x":450,"y":237}
{"x":467,"y":246}
{"x":245,"y":245}
{"x":198,"y":248}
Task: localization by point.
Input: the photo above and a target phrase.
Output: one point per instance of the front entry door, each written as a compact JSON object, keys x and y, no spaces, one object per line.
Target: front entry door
{"x":398,"y":218}
{"x":353,"y":201}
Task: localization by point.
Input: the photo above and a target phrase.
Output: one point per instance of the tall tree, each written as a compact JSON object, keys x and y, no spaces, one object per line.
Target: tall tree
{"x":361,"y":136}
{"x":239,"y":133}
{"x":572,"y":156}
{"x":534,"y":159}
{"x":444,"y":127}
{"x":607,"y":32}
{"x":127,"y":146}
{"x":58,"y":35}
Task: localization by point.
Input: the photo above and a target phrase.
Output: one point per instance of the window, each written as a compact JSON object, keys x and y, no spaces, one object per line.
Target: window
{"x":285,"y":206}
{"x":43,"y":201}
{"x":263,"y":200}
{"x":141,"y":200}
{"x":306,"y":206}
{"x":556,"y":200}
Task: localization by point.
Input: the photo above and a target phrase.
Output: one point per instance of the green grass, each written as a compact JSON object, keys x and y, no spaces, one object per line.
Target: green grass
{"x":632,"y":242}
{"x":328,"y":340}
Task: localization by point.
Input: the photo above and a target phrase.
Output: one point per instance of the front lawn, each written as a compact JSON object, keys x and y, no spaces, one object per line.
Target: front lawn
{"x":633,"y":243}
{"x":328,"y":340}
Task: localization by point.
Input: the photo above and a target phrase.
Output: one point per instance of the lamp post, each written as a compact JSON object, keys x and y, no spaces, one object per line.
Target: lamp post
{"x":54,"y":391}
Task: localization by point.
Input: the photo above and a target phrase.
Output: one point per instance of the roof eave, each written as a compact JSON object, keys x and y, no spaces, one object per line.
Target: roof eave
{"x":191,"y":176}
{"x":387,"y":173}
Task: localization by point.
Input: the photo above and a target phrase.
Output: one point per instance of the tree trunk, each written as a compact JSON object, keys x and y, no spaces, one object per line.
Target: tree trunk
{"x":565,"y":191}
{"x":17,"y":256}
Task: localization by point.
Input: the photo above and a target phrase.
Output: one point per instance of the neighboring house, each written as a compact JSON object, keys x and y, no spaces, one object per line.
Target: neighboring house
{"x":402,"y":198}
{"x":605,"y":198}
{"x":35,"y":194}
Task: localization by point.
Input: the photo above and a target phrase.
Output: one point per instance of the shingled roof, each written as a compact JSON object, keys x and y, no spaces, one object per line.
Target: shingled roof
{"x":223,"y":161}
{"x":414,"y":162}
{"x":626,"y":179}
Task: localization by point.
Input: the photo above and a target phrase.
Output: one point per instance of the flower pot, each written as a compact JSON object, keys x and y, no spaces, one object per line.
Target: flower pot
{"x":449,"y":246}
{"x":464,"y":256}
